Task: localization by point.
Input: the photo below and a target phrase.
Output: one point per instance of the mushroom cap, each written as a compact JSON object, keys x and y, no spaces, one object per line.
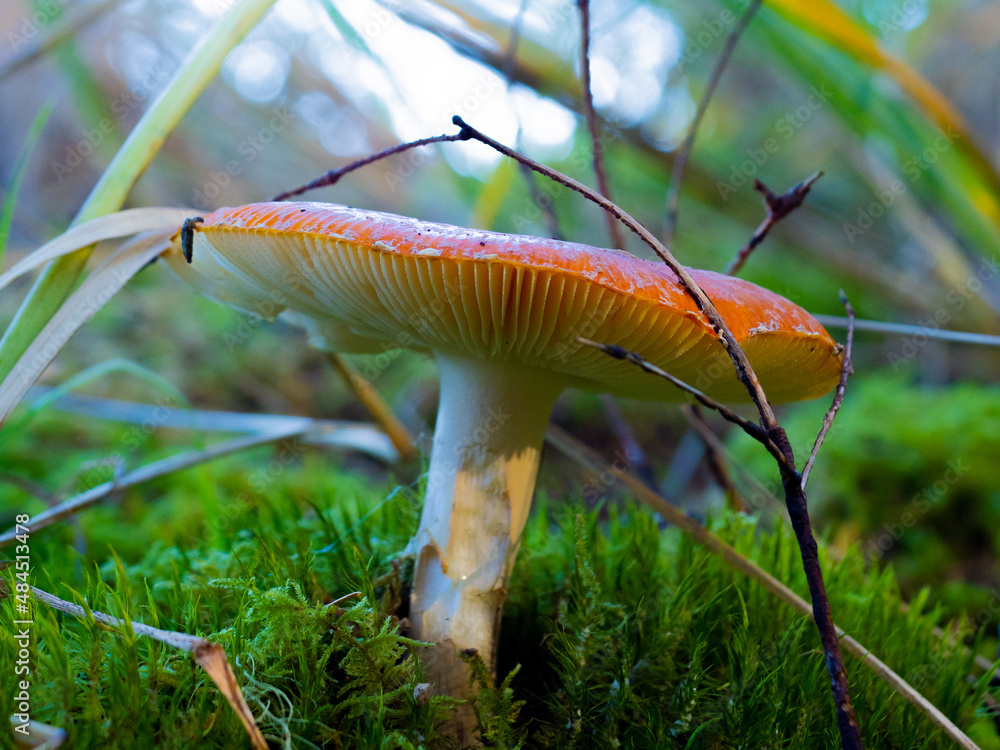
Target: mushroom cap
{"x":372,"y":281}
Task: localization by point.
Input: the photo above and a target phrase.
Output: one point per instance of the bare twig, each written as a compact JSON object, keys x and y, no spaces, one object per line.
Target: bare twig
{"x":585,"y":457}
{"x":596,"y":144}
{"x":334,"y":175}
{"x":211,"y":656}
{"x":684,"y":152}
{"x":734,"y":500}
{"x":846,"y":371}
{"x":752,"y":429}
{"x":778,"y":207}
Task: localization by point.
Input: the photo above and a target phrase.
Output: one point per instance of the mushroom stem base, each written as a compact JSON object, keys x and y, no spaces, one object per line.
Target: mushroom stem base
{"x":484,"y":461}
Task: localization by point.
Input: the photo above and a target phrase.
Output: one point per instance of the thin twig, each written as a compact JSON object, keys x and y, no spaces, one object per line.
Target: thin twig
{"x":334,"y":175}
{"x":509,"y":69}
{"x":752,"y":429}
{"x":596,"y":144}
{"x":846,"y":370}
{"x":587,"y":458}
{"x":734,"y":500}
{"x":684,"y":152}
{"x":778,"y":207}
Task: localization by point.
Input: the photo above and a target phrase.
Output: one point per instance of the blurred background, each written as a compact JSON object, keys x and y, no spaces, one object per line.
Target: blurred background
{"x":906,"y":220}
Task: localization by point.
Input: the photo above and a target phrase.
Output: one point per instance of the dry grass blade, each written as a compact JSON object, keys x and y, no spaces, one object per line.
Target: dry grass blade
{"x":211,"y":656}
{"x":589,"y":460}
{"x":82,"y":305}
{"x":358,"y":436}
{"x":307,"y":428}
{"x":904,"y":329}
{"x":121,"y":224}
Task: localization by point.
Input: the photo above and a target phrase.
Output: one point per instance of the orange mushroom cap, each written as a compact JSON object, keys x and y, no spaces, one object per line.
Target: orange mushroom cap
{"x":374,"y":280}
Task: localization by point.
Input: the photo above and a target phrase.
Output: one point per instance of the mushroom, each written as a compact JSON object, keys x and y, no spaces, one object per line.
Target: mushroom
{"x":501,"y":315}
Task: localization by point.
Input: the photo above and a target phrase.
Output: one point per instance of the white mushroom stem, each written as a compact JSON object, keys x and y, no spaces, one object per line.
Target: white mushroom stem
{"x":491,"y":421}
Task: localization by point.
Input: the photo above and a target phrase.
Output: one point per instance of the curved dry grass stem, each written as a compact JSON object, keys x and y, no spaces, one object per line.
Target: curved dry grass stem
{"x":591,"y":461}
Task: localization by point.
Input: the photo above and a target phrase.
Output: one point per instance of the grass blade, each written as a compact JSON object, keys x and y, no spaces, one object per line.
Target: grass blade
{"x":108,"y":227}
{"x":201,"y":66}
{"x":826,"y":21}
{"x":20,"y":168}
{"x":99,"y":287}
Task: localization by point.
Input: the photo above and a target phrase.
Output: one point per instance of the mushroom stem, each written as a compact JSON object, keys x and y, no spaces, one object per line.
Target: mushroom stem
{"x":491,"y":422}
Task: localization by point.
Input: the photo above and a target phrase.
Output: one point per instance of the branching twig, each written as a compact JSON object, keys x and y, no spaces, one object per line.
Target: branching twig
{"x":778,"y":207}
{"x":334,"y":175}
{"x":752,"y":429}
{"x":846,"y":371}
{"x":684,"y":152}
{"x":596,"y":145}
{"x":795,"y":498}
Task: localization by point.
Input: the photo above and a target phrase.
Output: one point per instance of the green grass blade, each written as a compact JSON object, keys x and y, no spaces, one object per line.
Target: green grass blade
{"x":20,"y":168}
{"x":54,"y":284}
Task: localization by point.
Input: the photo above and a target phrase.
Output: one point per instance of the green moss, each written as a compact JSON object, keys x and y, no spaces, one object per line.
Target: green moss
{"x":626,"y":635}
